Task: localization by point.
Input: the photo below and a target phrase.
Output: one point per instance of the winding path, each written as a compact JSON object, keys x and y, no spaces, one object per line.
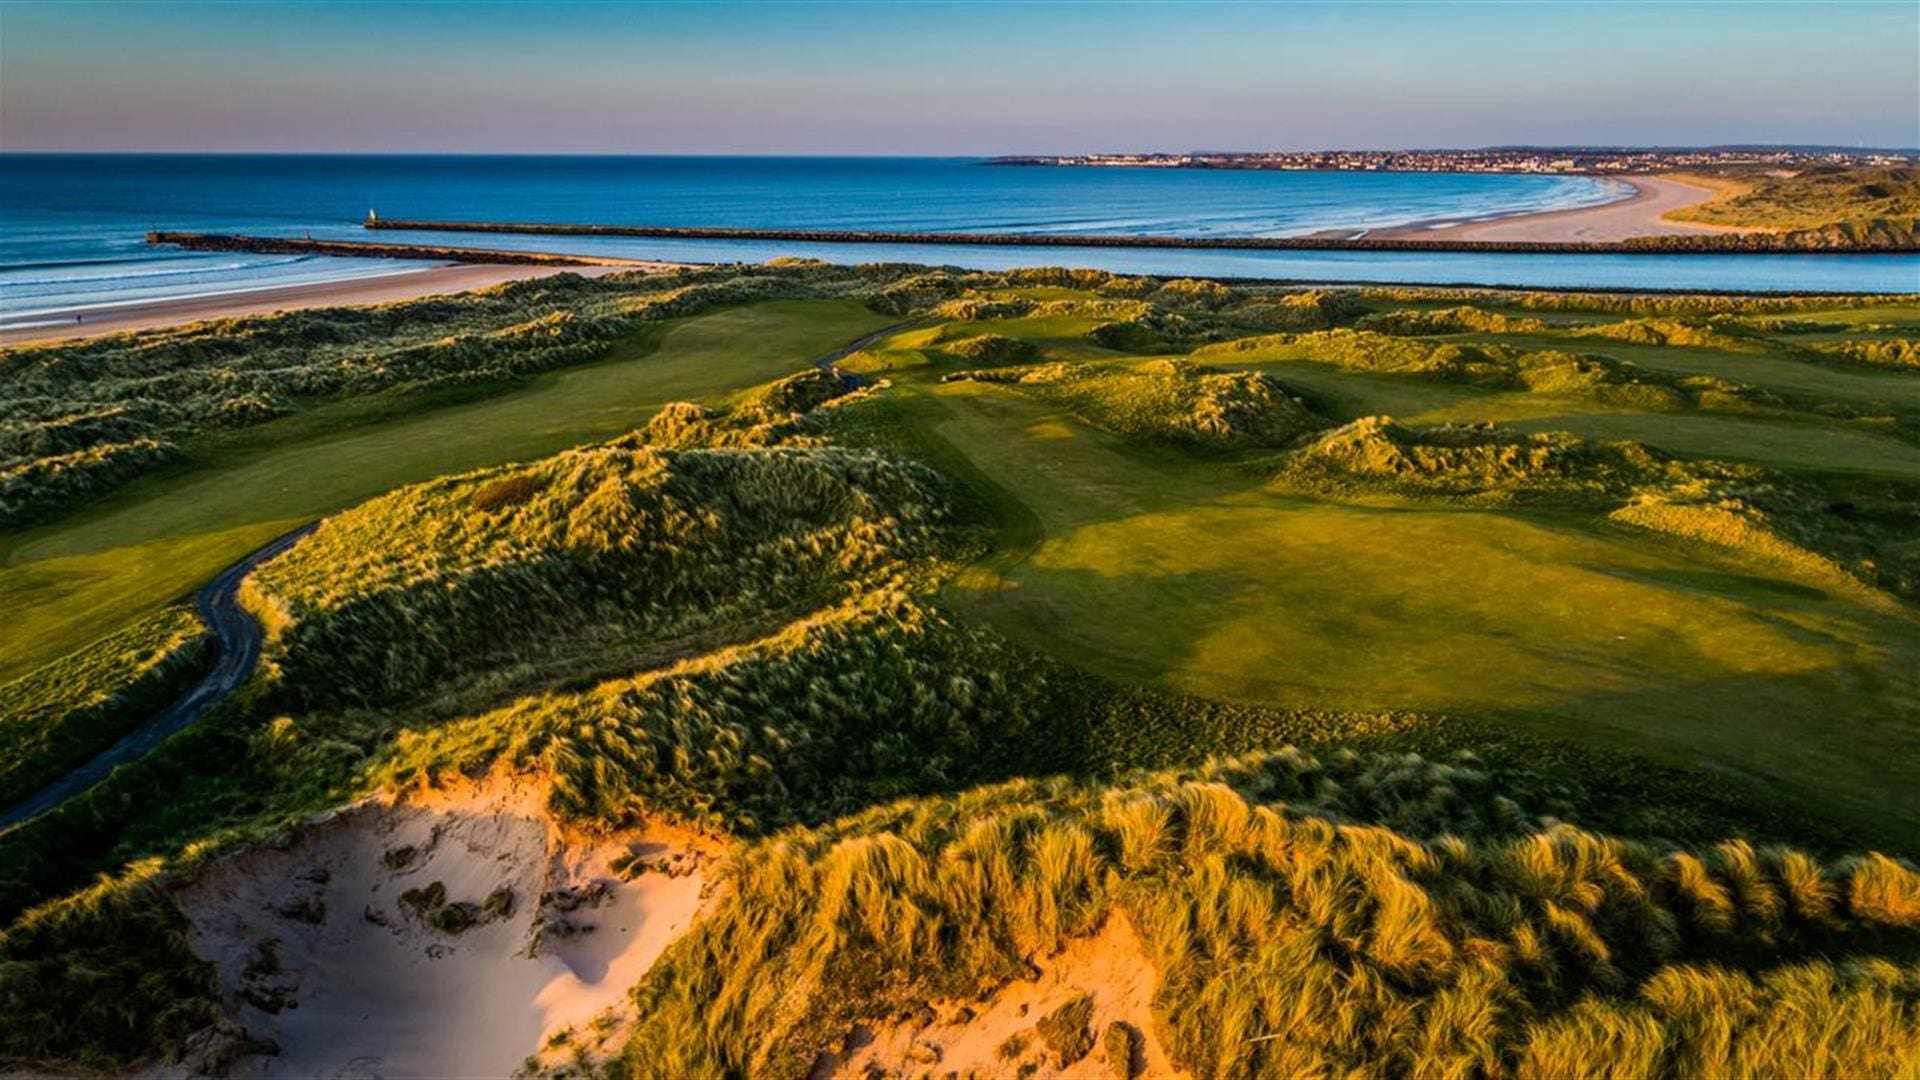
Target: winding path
{"x":852,"y":380}
{"x":236,"y":646}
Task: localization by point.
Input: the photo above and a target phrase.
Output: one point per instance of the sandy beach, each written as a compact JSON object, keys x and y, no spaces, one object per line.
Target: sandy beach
{"x":406,"y":285}
{"x":1637,"y":215}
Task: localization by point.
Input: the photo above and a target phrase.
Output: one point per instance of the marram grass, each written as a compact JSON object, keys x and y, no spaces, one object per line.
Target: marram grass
{"x":1358,"y":916}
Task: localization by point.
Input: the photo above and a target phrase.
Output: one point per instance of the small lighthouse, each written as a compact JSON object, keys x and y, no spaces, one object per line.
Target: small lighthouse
{"x":373,"y":219}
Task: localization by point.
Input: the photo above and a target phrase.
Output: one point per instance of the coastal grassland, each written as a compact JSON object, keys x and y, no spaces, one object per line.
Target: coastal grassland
{"x":437,"y":580}
{"x":67,"y":583}
{"x":1789,"y":370}
{"x":1354,"y":915}
{"x":1555,"y":372}
{"x":784,"y":602}
{"x":103,"y":977}
{"x":1856,"y":203}
{"x":779,"y":656}
{"x":82,"y":418}
{"x":55,"y":717}
{"x":1845,"y":530}
{"x":1780,"y":437}
{"x":1202,"y":579}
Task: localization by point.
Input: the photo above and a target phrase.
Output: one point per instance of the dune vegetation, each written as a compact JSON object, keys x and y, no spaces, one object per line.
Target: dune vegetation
{"x":1551,"y":372}
{"x":1845,"y":204}
{"x":1438,"y":681}
{"x":636,"y":543}
{"x":1368,"y":915}
{"x":82,"y":418}
{"x":1167,"y":401}
{"x":58,"y":716}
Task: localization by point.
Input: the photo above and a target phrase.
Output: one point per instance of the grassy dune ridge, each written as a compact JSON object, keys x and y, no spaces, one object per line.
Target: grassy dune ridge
{"x":1369,"y":915}
{"x":1594,"y":636}
{"x":1168,"y":401}
{"x":417,"y":586}
{"x":1550,"y":372}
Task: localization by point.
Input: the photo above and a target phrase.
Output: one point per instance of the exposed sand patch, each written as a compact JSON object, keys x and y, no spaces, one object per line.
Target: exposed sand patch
{"x":318,"y":951}
{"x":966,"y":1038}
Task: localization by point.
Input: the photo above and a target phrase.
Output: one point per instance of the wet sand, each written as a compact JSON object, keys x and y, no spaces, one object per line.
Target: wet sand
{"x":405,"y":285}
{"x":1640,"y":214}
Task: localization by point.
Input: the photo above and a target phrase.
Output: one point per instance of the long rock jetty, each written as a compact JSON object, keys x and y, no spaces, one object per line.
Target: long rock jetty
{"x":276,"y":245}
{"x":1709,"y":244}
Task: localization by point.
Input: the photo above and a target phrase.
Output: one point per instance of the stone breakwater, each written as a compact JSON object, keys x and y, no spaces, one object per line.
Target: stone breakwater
{"x":1745,"y":243}
{"x":273,"y":245}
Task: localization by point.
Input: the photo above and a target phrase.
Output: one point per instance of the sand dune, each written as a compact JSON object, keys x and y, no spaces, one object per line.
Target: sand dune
{"x":318,"y":951}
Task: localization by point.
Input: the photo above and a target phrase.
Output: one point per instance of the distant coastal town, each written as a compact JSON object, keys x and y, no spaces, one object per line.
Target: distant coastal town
{"x":1518,"y":159}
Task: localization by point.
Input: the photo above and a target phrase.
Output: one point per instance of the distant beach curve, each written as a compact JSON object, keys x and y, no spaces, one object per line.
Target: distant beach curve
{"x":1639,"y":214}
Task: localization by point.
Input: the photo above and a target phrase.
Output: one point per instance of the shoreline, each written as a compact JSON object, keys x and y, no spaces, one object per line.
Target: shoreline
{"x":57,"y":324}
{"x":1639,"y":213}
{"x":1635,"y":224}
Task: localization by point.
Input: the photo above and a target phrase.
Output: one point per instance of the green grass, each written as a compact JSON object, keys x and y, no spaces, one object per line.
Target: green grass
{"x":1775,"y":370}
{"x":64,"y":585}
{"x":1166,"y":401}
{"x":56,"y":717}
{"x":1791,"y":441}
{"x":1152,"y":568}
{"x":721,"y":618}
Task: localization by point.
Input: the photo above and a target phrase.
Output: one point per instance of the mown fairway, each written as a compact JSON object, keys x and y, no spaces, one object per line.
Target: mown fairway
{"x":92,"y":573}
{"x":1155,"y":566}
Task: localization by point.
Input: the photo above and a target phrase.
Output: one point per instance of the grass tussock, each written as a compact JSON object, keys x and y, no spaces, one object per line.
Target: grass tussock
{"x":1626,"y":303}
{"x":1684,"y":333}
{"x":1182,"y":315}
{"x":772,"y":415}
{"x":1360,"y":915}
{"x":976,"y":308}
{"x":1897,"y":354}
{"x":1168,"y":401}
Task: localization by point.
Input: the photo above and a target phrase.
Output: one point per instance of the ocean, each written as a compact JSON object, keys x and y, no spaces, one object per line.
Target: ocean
{"x":72,"y":227}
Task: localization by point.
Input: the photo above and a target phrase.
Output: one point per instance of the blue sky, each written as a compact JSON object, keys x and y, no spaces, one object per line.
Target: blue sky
{"x":961,"y":78}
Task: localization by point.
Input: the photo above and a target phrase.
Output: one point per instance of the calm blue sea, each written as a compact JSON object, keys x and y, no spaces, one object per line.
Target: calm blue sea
{"x":72,"y":227}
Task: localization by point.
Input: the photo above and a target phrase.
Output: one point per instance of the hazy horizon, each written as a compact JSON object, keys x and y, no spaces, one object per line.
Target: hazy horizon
{"x":961,"y":80}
